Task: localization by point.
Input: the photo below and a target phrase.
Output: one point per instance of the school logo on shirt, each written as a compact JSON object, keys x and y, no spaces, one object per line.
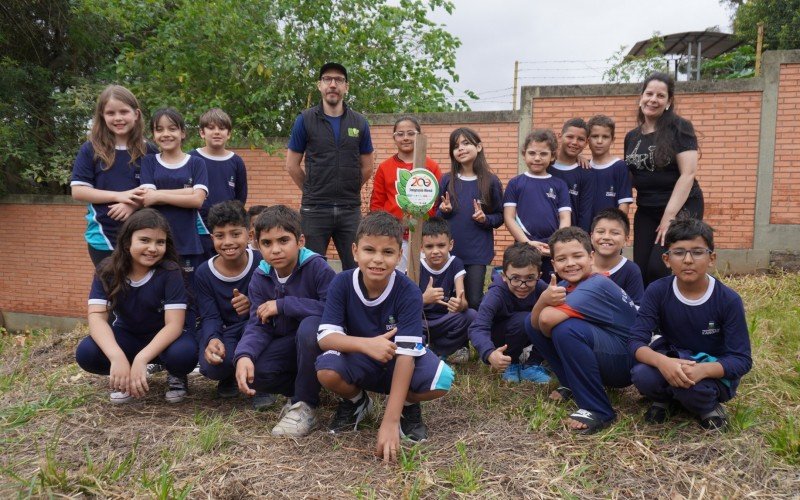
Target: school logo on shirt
{"x":391,"y":324}
{"x":611,"y":193}
{"x":352,"y":132}
{"x":551,"y":194}
{"x":712,"y":329}
{"x":187,"y":266}
{"x":161,"y":307}
{"x":231,"y":182}
{"x":573,"y":191}
{"x":188,"y":183}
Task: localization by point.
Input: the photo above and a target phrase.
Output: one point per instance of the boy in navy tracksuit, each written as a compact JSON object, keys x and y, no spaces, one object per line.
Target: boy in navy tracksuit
{"x":441,"y":281}
{"x":498,"y":331}
{"x":704,"y":349}
{"x":581,"y":326}
{"x":287,"y":295}
{"x":221,"y":292}
{"x":371,"y":335}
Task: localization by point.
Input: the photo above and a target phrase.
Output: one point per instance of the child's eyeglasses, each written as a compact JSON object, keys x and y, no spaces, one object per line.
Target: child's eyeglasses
{"x":696,"y":253}
{"x":327,"y":80}
{"x":517,"y":281}
{"x":410,"y":134}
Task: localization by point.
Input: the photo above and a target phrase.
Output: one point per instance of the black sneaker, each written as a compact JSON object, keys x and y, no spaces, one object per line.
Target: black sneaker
{"x":349,"y":414}
{"x":227,"y":388}
{"x":411,"y":425}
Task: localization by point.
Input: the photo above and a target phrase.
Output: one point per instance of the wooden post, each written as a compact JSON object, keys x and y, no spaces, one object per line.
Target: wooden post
{"x":415,"y":223}
{"x":516,"y":75}
{"x":759,"y":46}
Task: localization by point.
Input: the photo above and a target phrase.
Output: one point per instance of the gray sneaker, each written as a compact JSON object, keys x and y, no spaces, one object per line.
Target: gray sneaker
{"x":263,"y":400}
{"x":177,"y":388}
{"x":459,"y":357}
{"x":297,"y":420}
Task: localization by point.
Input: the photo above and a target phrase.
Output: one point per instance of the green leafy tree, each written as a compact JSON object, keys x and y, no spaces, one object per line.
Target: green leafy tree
{"x":781,"y":20}
{"x":256,"y":59}
{"x":50,"y":52}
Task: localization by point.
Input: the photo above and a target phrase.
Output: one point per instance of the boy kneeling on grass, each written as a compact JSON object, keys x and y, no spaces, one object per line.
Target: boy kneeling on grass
{"x":581,"y":327}
{"x":287,"y":293}
{"x":704,"y":349}
{"x":371,"y":335}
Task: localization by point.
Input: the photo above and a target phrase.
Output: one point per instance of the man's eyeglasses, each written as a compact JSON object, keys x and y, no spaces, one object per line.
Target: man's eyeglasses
{"x":327,"y":80}
{"x":517,"y":281}
{"x":410,"y":134}
{"x":696,"y":253}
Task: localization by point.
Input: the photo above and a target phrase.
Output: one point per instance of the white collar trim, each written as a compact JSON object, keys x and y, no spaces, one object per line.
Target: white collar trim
{"x":694,"y":302}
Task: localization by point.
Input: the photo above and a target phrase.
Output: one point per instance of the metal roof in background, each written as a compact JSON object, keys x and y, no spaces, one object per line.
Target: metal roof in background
{"x":712,"y":43}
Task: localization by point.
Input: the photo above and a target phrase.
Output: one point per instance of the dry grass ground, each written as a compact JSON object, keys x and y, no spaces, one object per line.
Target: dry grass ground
{"x":60,"y":437}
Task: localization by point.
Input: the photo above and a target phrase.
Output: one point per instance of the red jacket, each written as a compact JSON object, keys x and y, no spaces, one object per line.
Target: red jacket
{"x":384,"y":187}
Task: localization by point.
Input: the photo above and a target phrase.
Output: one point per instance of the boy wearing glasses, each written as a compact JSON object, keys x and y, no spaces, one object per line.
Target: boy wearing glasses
{"x":337,"y":146}
{"x":498,"y":330}
{"x":705,"y":348}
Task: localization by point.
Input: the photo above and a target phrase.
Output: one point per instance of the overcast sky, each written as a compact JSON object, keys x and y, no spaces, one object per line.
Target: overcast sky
{"x":558,"y":42}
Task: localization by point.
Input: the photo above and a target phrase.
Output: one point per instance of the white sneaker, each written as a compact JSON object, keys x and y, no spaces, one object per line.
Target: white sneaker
{"x":178,"y":388}
{"x":297,"y":420}
{"x":118,"y":398}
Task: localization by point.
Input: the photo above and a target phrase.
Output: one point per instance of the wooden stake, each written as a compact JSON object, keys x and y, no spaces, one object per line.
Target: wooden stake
{"x":759,"y":46}
{"x":415,"y":223}
{"x":516,"y":75}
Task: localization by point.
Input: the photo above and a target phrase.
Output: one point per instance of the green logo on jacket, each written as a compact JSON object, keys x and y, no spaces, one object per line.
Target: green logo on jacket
{"x":352,"y":132}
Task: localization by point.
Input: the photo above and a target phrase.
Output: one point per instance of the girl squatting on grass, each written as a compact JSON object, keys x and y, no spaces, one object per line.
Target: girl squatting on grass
{"x":106,"y":170}
{"x":141,"y":283}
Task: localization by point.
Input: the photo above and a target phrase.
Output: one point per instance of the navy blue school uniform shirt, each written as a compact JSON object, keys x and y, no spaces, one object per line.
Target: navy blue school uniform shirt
{"x":538,"y":199}
{"x":214,"y":291}
{"x":348,"y":311}
{"x":713,"y":324}
{"x":444,"y":278}
{"x":140,"y":310}
{"x":297,"y":296}
{"x":498,"y":304}
{"x":227,"y":180}
{"x":628,"y":276}
{"x":473,"y":241}
{"x":101,"y":230}
{"x":612,"y":183}
{"x":581,"y":185}
{"x":599,"y":301}
{"x":189,"y":173}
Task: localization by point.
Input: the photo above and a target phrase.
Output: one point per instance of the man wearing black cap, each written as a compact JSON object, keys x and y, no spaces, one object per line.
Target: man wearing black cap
{"x":337,"y":146}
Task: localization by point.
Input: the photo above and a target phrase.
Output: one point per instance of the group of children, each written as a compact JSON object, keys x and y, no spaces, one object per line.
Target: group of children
{"x":199,"y":277}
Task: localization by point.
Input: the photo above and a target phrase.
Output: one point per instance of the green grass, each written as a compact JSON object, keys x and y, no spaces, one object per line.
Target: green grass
{"x":60,"y":437}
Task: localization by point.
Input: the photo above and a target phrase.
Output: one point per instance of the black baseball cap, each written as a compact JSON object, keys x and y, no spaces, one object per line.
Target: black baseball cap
{"x":335,"y":66}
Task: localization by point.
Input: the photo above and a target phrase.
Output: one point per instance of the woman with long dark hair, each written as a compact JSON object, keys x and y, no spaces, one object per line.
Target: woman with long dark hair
{"x":661,"y":153}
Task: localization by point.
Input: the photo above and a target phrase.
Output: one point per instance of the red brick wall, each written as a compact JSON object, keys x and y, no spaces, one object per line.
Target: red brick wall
{"x":728,"y":126}
{"x":269,"y":184}
{"x":785,"y":199}
{"x":45,"y":268}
